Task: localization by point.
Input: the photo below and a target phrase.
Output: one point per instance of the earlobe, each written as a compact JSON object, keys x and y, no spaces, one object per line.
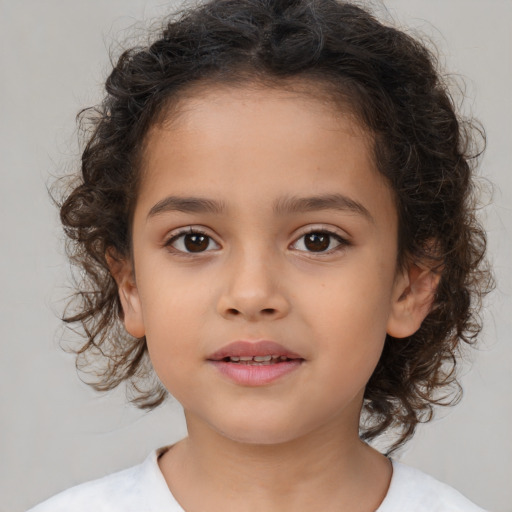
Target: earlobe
{"x":414,"y":295}
{"x":122,"y":271}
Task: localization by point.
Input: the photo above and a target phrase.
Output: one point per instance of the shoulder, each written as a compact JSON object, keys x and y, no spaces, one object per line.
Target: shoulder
{"x":411,"y":489}
{"x":114,"y":492}
{"x":138,"y":488}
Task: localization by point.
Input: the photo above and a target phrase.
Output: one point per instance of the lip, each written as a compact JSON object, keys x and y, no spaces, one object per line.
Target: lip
{"x":253,"y":348}
{"x":255,"y":374}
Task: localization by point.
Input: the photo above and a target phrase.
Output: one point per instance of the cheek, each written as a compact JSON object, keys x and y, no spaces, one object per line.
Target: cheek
{"x":171,"y":299}
{"x":174,"y":311}
{"x":357,"y":297}
{"x":350,"y":313}
{"x":348,"y":350}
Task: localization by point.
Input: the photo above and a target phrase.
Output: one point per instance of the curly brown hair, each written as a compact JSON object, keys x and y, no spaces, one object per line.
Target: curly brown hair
{"x":424,"y":149}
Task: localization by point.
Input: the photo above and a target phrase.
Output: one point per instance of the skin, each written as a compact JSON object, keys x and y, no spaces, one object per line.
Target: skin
{"x":292,"y":444}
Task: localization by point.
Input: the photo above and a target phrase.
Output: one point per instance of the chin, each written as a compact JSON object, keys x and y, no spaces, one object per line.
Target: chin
{"x":260,"y":432}
{"x":258,"y":438}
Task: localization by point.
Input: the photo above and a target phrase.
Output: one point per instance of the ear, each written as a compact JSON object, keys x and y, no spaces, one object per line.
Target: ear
{"x":413,"y":295}
{"x":122,"y":271}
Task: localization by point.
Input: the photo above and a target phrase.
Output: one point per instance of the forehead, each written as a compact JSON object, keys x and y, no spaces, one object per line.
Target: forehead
{"x":270,"y":141}
{"x":205,"y":102}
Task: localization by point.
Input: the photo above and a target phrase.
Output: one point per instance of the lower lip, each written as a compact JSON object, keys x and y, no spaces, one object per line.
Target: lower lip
{"x":256,"y":375}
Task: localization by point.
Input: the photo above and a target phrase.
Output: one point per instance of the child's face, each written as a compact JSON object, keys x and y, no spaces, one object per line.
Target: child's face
{"x":295,"y":243}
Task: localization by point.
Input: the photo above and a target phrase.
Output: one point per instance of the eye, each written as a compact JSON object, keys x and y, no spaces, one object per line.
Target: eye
{"x":192,"y":241}
{"x":319,"y":241}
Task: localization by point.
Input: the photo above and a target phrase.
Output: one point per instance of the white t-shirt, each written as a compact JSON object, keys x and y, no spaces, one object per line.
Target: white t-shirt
{"x":143,"y":488}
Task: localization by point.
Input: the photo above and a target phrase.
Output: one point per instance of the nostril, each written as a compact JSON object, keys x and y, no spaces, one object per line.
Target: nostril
{"x":268,"y":311}
{"x":233,"y":311}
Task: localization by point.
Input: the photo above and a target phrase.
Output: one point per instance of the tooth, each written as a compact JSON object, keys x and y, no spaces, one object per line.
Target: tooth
{"x":245,"y":358}
{"x":234,"y":359}
{"x":262,"y":359}
{"x":283,"y":358}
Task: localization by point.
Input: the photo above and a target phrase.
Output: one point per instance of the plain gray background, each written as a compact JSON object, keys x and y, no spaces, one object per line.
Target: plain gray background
{"x":55,"y":431}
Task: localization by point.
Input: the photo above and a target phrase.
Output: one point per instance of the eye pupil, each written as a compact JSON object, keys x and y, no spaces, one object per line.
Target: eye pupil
{"x":317,"y":242}
{"x":196,"y":243}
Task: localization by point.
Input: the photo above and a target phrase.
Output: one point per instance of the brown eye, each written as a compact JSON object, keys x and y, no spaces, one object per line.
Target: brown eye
{"x":196,"y":242}
{"x":192,"y":242}
{"x":317,"y":242}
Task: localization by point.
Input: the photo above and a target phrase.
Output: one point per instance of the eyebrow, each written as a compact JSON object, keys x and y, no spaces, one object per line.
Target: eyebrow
{"x":284,"y":205}
{"x":322,"y":202}
{"x":187,"y":205}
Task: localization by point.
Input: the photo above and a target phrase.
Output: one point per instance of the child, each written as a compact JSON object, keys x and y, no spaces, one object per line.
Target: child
{"x":275,"y":216}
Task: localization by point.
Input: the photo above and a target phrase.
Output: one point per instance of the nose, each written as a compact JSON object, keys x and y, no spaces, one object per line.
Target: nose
{"x":253,"y":289}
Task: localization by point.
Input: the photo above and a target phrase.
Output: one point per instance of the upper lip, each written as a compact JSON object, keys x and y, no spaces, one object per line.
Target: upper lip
{"x":251,"y":349}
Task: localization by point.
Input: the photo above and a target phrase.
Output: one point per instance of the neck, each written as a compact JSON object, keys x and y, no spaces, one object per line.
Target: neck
{"x":325,"y":470}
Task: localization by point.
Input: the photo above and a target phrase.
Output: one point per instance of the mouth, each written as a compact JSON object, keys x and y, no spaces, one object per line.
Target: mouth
{"x":255,"y":363}
{"x":254,"y":353}
{"x":256,"y":360}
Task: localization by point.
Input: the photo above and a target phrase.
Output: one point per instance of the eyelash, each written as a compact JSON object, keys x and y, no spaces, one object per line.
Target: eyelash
{"x":182,"y":233}
{"x":342,"y":242}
